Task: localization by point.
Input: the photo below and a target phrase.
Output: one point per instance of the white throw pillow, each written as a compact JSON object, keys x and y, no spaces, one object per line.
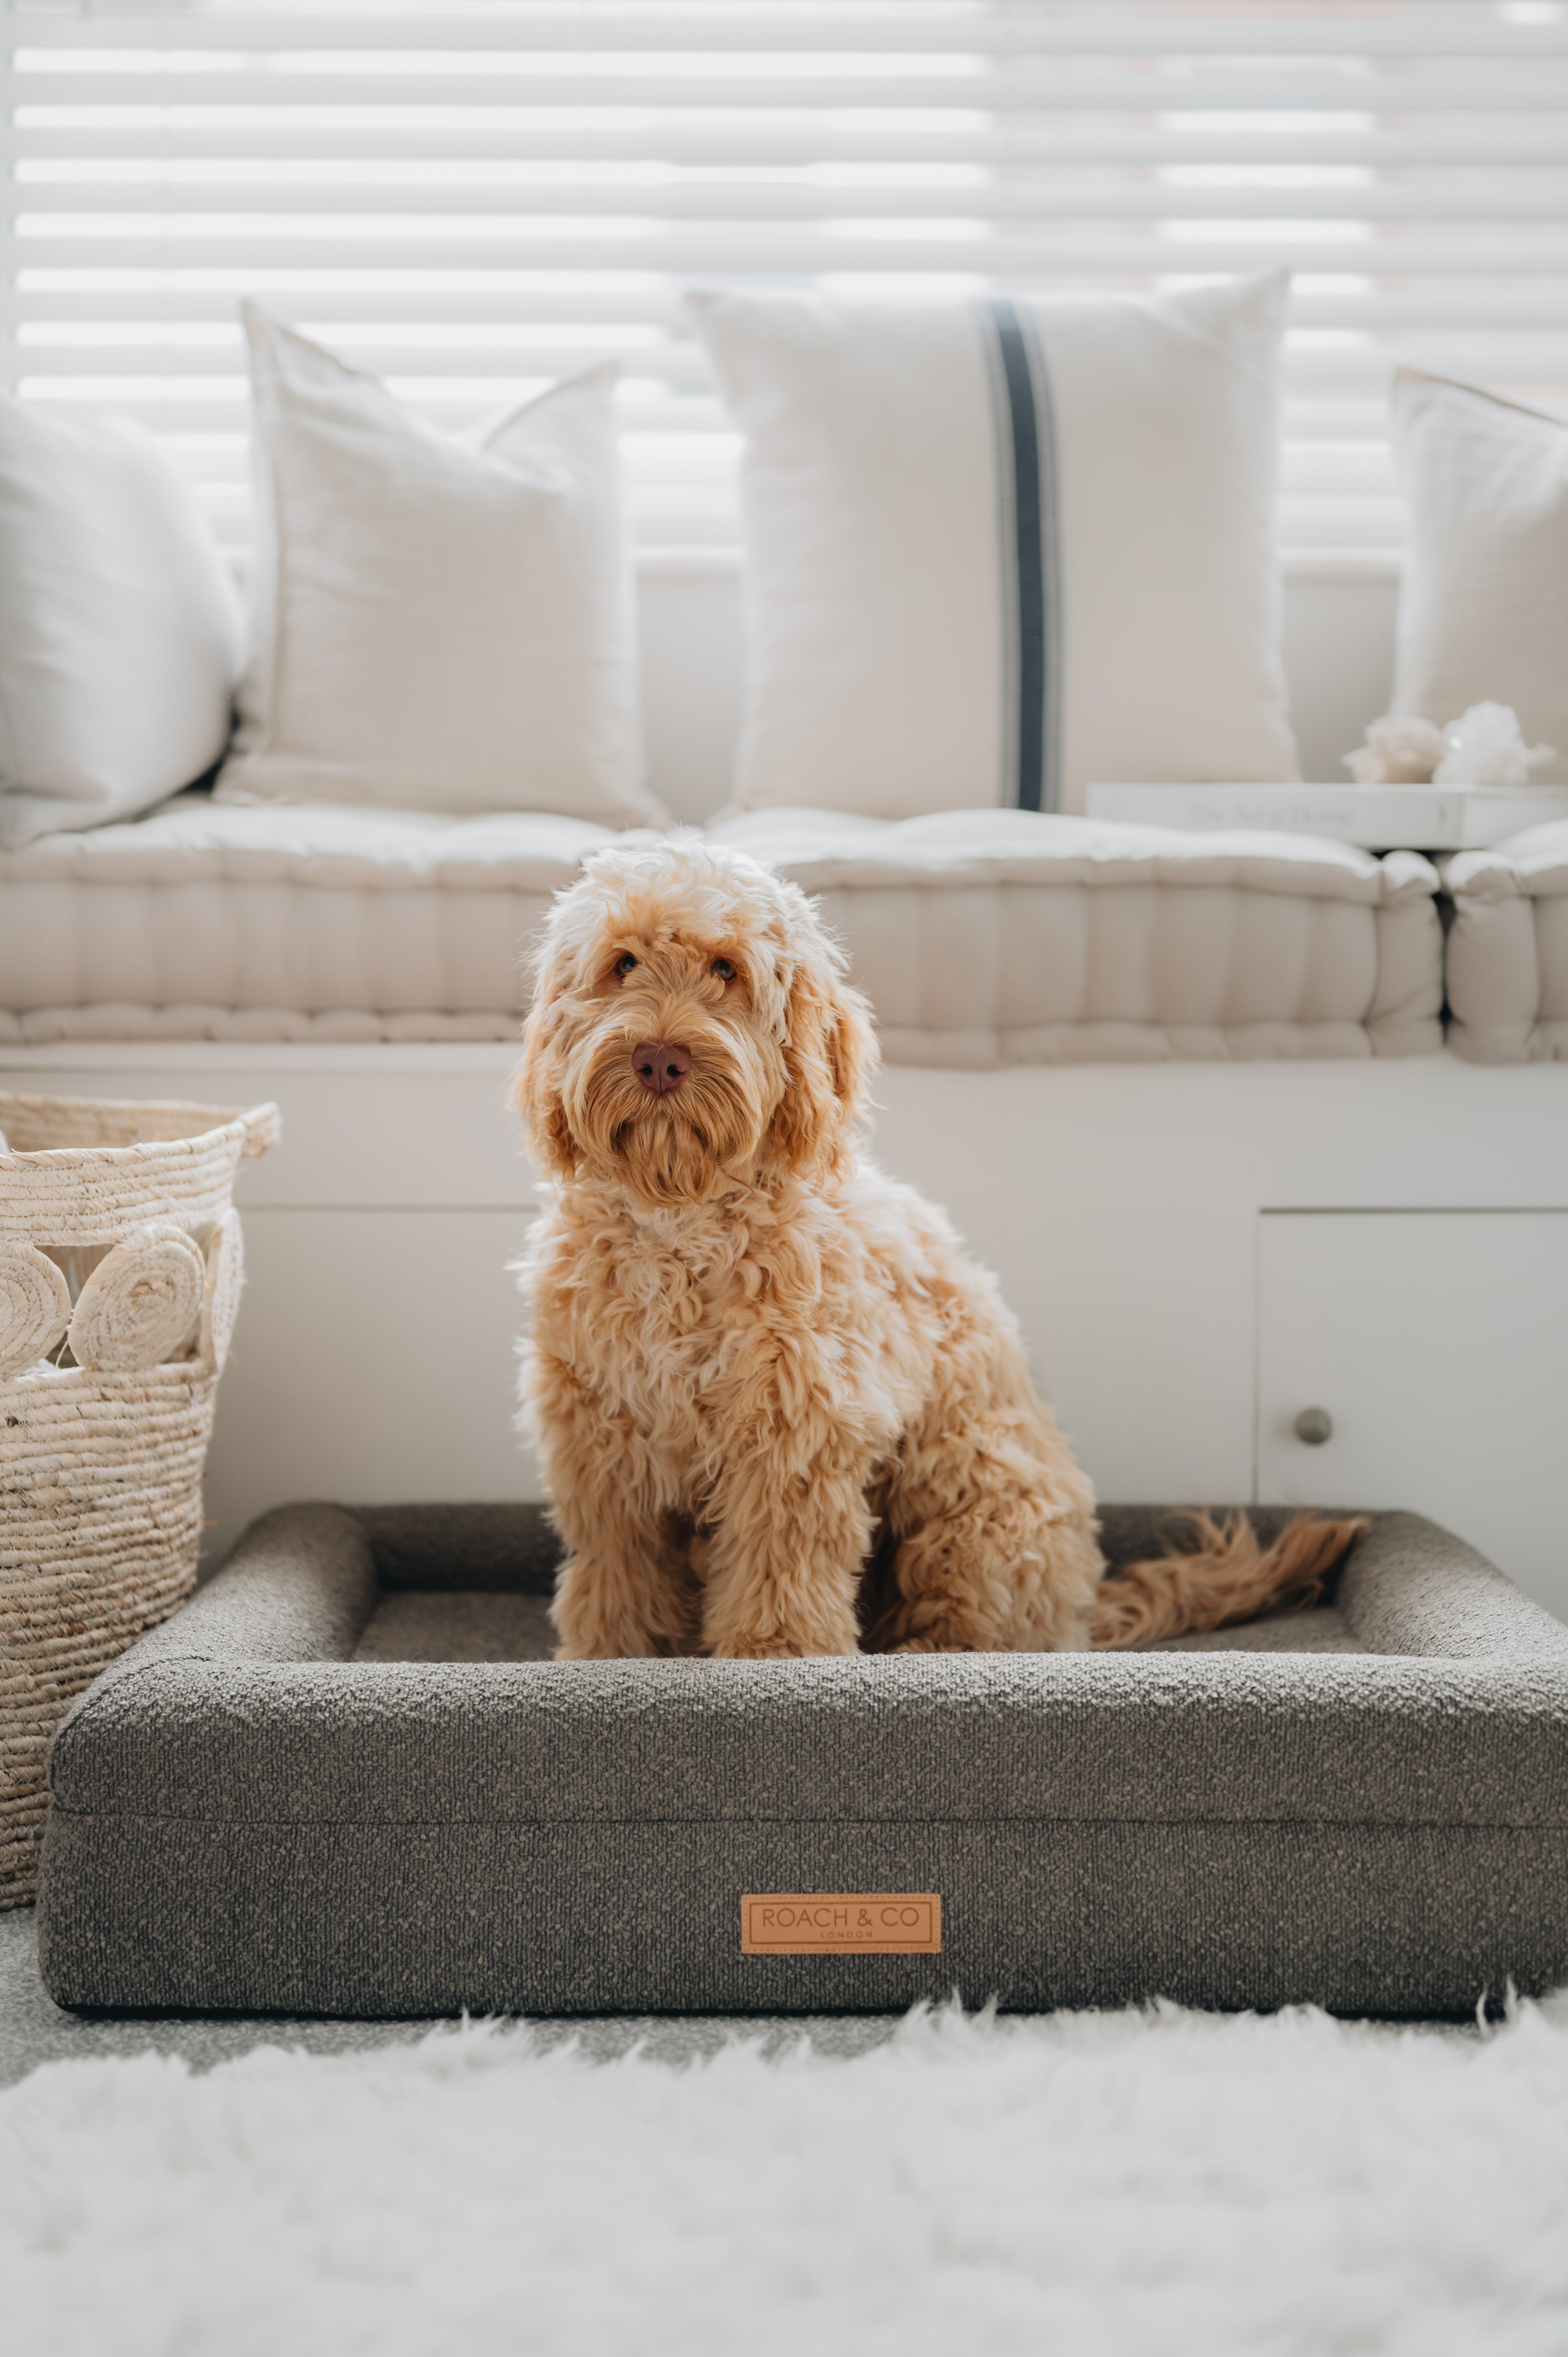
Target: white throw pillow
{"x":996,"y":550}
{"x":439,"y":623}
{"x":120,"y":627}
{"x":1484,"y":600}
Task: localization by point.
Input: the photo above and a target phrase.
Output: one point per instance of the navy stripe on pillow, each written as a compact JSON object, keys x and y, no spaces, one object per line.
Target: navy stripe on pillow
{"x":1026,"y":471}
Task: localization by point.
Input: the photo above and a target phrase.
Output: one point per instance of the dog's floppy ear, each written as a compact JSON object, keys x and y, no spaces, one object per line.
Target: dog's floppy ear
{"x":535,"y":1084}
{"x":830,"y":1054}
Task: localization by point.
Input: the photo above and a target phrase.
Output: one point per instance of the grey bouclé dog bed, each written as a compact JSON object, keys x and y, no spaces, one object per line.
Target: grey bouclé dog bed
{"x":343,"y":1781}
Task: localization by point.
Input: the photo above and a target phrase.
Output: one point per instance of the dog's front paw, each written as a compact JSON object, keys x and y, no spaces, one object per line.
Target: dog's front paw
{"x":760,"y":1649}
{"x":753,"y":1612}
{"x":780,"y":1649}
{"x":619,"y":1610}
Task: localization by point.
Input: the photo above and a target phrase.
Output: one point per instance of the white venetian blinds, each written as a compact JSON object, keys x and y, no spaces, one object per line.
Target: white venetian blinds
{"x":472,"y":198}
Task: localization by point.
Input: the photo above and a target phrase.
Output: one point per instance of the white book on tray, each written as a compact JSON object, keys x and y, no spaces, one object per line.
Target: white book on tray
{"x":1378,"y":818}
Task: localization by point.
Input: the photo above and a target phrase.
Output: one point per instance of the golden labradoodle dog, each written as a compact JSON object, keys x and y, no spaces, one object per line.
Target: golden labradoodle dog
{"x":781,"y":1410}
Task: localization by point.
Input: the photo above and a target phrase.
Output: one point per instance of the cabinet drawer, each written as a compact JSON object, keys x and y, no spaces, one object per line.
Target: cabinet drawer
{"x":1436,"y":1344}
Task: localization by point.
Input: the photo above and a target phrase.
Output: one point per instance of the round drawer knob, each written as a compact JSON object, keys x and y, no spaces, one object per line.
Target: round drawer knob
{"x":1313,"y":1426}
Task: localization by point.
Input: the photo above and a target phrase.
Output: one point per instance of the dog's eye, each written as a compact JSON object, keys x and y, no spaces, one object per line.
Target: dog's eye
{"x":624,"y":965}
{"x":723,"y":969}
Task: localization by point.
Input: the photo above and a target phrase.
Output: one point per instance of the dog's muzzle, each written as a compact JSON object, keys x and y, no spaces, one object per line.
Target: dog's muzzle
{"x":661,"y":1065}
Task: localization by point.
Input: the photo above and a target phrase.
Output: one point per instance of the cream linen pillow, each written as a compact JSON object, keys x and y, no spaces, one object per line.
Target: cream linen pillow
{"x":439,"y":623}
{"x":1484,"y":600}
{"x":121,"y":630}
{"x":996,"y":549}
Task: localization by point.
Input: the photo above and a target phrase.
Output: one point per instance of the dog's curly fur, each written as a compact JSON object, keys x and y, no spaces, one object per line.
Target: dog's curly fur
{"x":780,"y":1411}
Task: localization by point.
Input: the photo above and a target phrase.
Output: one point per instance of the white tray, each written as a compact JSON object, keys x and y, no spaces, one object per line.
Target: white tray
{"x":1379,"y":818}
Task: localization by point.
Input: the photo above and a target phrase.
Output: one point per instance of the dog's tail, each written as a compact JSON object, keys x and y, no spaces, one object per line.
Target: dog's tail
{"x":1224,"y":1575}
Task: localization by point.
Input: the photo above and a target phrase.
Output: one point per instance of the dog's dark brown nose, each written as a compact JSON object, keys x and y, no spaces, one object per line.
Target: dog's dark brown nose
{"x":661,"y":1065}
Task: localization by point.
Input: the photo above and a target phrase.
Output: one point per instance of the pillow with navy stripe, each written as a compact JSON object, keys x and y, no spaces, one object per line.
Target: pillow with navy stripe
{"x":998,"y":550}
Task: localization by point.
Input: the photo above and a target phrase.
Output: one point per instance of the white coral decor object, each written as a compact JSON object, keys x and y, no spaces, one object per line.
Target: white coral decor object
{"x":1485,"y":747}
{"x":1400,"y":751}
{"x":141,"y":1306}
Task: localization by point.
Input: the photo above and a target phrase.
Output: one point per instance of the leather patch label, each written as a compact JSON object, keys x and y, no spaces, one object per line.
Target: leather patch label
{"x":841,"y":1924}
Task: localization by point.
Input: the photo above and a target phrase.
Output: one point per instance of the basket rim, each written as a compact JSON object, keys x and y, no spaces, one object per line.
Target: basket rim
{"x":256,"y":1127}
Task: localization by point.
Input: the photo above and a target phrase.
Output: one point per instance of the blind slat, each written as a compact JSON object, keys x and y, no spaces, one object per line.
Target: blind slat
{"x":645,"y":348}
{"x":218,"y":210}
{"x":838,"y":34}
{"x":1539,"y":360}
{"x":1021,"y":90}
{"x":1310,"y":423}
{"x":811,"y":145}
{"x":375,"y":322}
{"x":757,"y":251}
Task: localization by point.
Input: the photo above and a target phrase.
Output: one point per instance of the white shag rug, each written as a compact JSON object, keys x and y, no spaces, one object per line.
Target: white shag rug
{"x":1139,"y":2183}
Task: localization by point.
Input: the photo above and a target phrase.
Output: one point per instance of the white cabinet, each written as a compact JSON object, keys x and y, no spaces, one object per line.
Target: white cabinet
{"x":1437,"y":1344}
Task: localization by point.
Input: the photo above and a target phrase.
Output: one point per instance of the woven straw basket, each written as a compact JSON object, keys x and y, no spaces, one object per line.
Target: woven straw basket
{"x":120,"y":1265}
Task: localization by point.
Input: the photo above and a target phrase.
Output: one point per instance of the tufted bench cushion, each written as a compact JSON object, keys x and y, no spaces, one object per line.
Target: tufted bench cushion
{"x":309,"y":922}
{"x":982,"y":937}
{"x":341,"y":1781}
{"x":1002,"y":937}
{"x":1507,"y":949}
